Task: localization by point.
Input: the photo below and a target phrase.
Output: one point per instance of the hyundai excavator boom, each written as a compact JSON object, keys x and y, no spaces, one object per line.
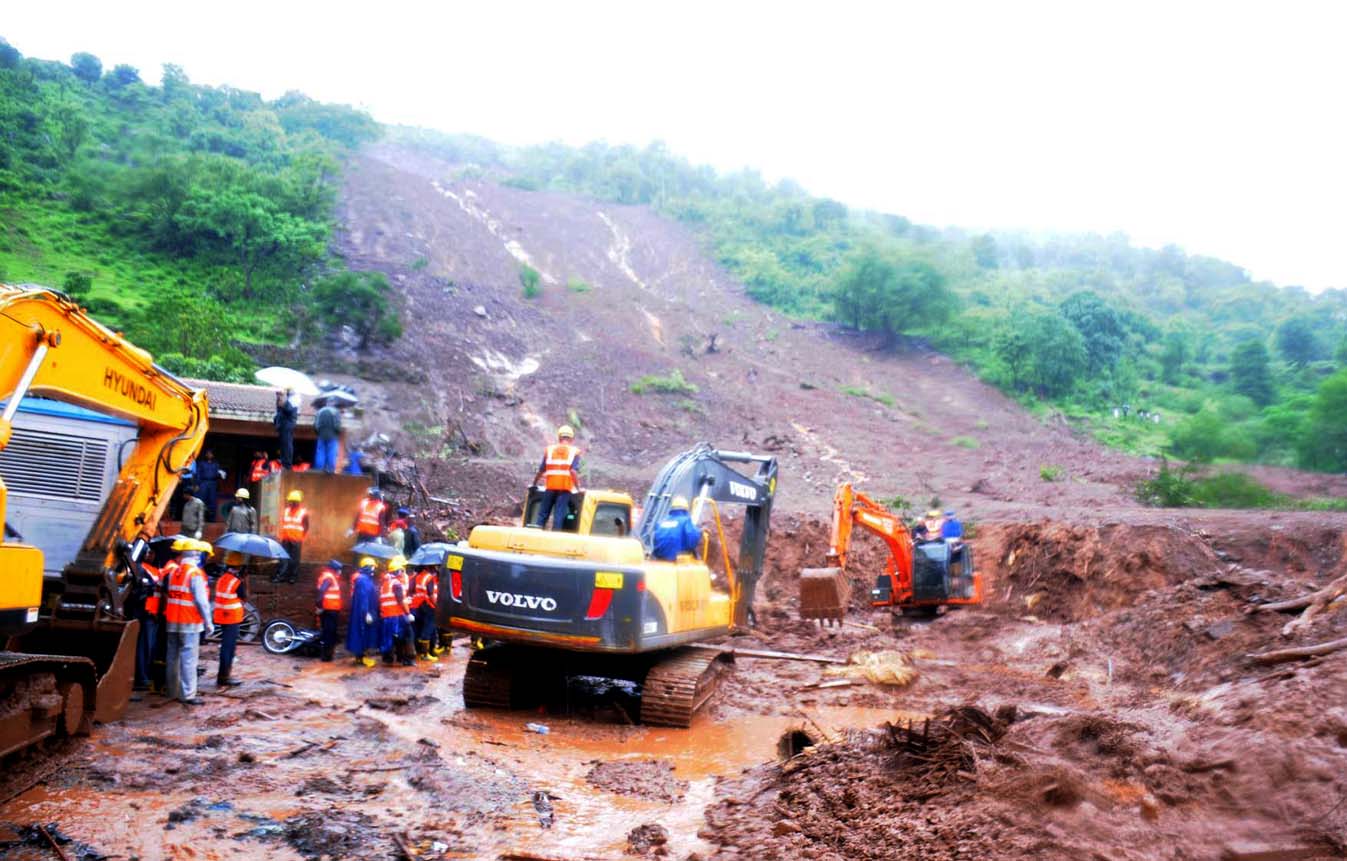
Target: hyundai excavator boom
{"x":70,"y":648}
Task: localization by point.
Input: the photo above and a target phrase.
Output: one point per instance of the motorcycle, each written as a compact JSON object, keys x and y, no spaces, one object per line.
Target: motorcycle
{"x":283,"y":637}
{"x":248,"y":628}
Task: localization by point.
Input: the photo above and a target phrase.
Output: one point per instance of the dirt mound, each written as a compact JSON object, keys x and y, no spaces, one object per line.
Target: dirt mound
{"x":1063,"y":572}
{"x":650,"y":778}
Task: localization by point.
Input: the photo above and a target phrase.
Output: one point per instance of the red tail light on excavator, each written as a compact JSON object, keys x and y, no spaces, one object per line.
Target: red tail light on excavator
{"x":599,"y":603}
{"x":456,"y":585}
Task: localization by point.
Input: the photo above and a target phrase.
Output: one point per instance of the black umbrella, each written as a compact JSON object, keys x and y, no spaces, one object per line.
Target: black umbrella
{"x":375,"y":549}
{"x":431,"y":554}
{"x":337,"y":398}
{"x":250,"y":544}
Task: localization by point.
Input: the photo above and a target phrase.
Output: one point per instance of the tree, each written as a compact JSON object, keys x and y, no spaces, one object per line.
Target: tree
{"x":359,"y":300}
{"x":123,"y":75}
{"x":9,"y":55}
{"x":985,"y":252}
{"x":1298,"y":343}
{"x":1100,"y":326}
{"x":1057,"y":354}
{"x":184,"y":322}
{"x":528,"y":279}
{"x":86,"y":67}
{"x":882,"y":291}
{"x":1249,"y":372}
{"x":1174,"y":354}
{"x":1324,"y":444}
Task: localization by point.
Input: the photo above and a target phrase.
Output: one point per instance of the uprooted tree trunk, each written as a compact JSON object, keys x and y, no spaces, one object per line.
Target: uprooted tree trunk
{"x":1314,"y":603}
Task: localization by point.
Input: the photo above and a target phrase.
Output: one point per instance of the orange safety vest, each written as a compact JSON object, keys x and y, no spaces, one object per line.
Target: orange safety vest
{"x":370,"y":521}
{"x":557,"y":466}
{"x":331,"y":589}
{"x":228,"y":609}
{"x":152,"y":601}
{"x":389,"y":605}
{"x":427,"y":589}
{"x":181,"y":609}
{"x":292,"y":523}
{"x":260,"y":470}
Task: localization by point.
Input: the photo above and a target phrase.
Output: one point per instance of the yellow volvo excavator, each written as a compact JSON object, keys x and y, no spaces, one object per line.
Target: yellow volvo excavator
{"x":70,"y":651}
{"x":589,"y":601}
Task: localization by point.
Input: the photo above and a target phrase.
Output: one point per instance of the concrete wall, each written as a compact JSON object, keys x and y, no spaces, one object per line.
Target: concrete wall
{"x":331,"y":499}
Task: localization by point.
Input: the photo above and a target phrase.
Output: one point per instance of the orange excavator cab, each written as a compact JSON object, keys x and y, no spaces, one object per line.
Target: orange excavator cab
{"x":927,"y":574}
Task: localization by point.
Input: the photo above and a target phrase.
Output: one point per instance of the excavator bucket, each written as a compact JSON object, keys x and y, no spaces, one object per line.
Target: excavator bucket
{"x":824,"y":593}
{"x":111,"y":647}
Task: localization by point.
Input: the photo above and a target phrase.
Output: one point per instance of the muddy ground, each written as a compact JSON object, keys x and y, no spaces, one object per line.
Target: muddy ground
{"x":1124,"y":722}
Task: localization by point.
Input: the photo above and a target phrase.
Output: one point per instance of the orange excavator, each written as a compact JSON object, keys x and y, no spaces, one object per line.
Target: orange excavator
{"x":922,"y":575}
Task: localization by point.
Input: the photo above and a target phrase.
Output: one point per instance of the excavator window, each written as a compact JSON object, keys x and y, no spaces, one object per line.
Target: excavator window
{"x":611,"y":518}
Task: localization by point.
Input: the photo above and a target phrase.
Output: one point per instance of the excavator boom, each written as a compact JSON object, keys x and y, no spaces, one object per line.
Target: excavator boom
{"x":70,"y":638}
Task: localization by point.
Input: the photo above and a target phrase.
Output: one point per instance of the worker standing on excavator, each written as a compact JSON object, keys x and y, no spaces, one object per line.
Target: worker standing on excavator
{"x":676,"y":534}
{"x":187,"y":613}
{"x":559,"y":477}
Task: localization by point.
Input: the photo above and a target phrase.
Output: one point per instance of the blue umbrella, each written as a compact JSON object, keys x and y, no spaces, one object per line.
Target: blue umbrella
{"x":431,"y":554}
{"x":249,"y":544}
{"x":375,"y":549}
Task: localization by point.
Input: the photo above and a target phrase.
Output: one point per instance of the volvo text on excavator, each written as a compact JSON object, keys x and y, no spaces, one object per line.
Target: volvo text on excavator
{"x":919,"y":575}
{"x":590,"y":601}
{"x":70,"y":650}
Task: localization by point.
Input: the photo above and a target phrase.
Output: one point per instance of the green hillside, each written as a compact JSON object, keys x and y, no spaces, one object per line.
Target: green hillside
{"x":1198,"y":360}
{"x":195,"y":218}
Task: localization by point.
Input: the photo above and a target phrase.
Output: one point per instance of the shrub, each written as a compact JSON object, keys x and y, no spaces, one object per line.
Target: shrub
{"x":575,"y":285}
{"x":529,"y":278}
{"x":671,"y":384}
{"x":77,"y":284}
{"x":1049,"y":472}
{"x":862,"y":392}
{"x":1180,"y":489}
{"x":420,"y":263}
{"x":964,"y":442}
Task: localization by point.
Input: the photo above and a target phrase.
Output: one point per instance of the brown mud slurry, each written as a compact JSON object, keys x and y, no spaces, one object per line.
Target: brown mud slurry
{"x":1127,"y":724}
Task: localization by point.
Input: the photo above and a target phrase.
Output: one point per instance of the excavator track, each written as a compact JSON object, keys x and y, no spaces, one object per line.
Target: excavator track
{"x":487,"y":684}
{"x":679,"y":684}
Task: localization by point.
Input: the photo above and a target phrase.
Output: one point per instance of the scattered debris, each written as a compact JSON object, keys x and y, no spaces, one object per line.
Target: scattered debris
{"x":644,"y":778}
{"x":648,"y":839}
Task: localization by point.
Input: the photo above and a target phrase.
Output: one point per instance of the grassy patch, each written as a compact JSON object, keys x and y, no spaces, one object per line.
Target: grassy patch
{"x":420,"y":263}
{"x":964,"y":442}
{"x":530,"y":280}
{"x":670,"y":384}
{"x":1187,"y":487}
{"x":575,"y":285}
{"x":863,"y":392}
{"x":1049,"y":472}
{"x":688,"y":405}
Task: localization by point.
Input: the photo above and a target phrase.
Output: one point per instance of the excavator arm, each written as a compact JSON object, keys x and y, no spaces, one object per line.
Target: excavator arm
{"x":51,"y":348}
{"x":850,"y":507}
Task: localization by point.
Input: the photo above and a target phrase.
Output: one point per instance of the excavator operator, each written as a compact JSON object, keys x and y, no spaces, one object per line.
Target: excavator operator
{"x":676,"y":533}
{"x":559,"y":475}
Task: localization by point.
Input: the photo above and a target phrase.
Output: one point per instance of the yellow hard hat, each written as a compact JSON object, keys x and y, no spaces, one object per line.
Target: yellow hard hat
{"x":181,"y":544}
{"x":242,"y":493}
{"x":566,"y":431}
{"x":366,"y":562}
{"x":680,"y":503}
{"x":397,"y":563}
{"x":934,"y":513}
{"x":295,"y":496}
{"x":233,"y":557}
{"x":202,"y":547}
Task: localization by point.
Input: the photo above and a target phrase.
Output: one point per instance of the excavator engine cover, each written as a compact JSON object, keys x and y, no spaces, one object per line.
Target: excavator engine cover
{"x":824,"y":593}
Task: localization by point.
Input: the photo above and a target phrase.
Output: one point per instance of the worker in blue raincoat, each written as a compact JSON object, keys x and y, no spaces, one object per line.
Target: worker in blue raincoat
{"x":363,"y":632}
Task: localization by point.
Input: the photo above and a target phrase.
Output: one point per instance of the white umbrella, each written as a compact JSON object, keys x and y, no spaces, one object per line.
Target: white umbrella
{"x":287,"y":378}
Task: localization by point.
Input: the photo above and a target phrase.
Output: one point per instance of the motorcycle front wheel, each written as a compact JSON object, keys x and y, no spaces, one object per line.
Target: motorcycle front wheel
{"x":279,"y":637}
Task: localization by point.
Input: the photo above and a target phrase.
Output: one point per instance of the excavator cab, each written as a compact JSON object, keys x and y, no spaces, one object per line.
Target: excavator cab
{"x":591,"y":513}
{"x":942,"y":573}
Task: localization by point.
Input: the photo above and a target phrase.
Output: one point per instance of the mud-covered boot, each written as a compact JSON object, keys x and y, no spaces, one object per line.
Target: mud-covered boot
{"x":424,"y":652}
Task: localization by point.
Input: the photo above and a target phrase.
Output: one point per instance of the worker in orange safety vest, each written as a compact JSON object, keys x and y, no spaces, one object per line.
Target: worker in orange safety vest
{"x":425,"y":596}
{"x":260,"y":468}
{"x":231,"y":591}
{"x":327,"y":605}
{"x":559,"y":477}
{"x":371,"y":516}
{"x":396,"y":612}
{"x":187,"y":612}
{"x":294,"y":528}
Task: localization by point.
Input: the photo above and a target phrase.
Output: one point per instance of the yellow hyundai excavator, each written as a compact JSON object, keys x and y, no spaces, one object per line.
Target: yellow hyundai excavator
{"x":70,"y":651}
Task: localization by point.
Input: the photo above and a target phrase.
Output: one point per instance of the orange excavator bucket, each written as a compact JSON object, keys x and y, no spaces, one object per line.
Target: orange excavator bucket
{"x":824,"y":593}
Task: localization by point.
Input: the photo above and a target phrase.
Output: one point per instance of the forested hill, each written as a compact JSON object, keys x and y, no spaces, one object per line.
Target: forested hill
{"x":1221,"y":367}
{"x":196,"y":218}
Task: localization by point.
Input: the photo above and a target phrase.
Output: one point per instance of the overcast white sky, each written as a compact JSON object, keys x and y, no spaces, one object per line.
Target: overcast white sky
{"x":1219,"y":126}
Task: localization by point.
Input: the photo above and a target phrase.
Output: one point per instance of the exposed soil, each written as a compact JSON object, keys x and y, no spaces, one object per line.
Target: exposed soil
{"x":650,"y":778}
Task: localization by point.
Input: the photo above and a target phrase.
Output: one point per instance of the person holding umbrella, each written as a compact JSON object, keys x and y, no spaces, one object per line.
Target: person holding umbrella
{"x":327,"y":606}
{"x":187,"y":612}
{"x":363,"y":634}
{"x":396,"y":612}
{"x":294,"y":529}
{"x":230,"y":593}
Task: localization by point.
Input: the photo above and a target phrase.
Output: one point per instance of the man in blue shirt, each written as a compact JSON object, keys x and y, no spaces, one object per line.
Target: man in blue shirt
{"x":951,"y":528}
{"x":676,"y":533}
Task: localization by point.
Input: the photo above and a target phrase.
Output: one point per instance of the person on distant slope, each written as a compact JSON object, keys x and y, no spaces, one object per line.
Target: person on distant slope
{"x":363,"y":632}
{"x":559,"y":476}
{"x":676,"y":534}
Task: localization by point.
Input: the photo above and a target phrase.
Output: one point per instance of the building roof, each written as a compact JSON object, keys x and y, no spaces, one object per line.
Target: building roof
{"x":249,"y":403}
